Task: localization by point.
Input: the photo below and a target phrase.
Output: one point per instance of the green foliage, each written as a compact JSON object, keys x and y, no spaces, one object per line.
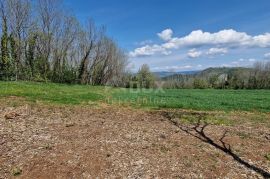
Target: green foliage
{"x":5,"y":63}
{"x":30,"y":57}
{"x":145,"y":77}
{"x":213,"y":81}
{"x":69,"y":75}
{"x":200,"y":84}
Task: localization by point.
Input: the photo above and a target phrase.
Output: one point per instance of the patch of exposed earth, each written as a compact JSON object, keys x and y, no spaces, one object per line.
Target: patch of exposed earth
{"x":109,"y":142}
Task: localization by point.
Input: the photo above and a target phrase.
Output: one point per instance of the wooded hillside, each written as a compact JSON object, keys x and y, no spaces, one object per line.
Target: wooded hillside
{"x":257,"y":77}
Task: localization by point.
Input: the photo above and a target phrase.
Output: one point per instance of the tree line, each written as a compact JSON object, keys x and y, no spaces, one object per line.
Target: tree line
{"x":42,"y":41}
{"x":257,"y":77}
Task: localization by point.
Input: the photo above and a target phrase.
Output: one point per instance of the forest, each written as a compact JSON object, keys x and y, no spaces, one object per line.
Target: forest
{"x":43,"y":41}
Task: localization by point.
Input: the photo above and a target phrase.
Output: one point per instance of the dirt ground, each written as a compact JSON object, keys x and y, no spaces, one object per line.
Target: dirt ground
{"x":39,"y":141}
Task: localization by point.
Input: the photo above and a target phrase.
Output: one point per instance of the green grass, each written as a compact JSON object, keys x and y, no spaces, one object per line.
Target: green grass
{"x":210,"y":99}
{"x":52,"y":93}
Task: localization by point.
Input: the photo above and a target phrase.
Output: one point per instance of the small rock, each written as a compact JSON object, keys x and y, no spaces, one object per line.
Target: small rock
{"x":70,"y":125}
{"x":162,"y":136}
{"x":16,"y":171}
{"x":267,"y":136}
{"x":145,"y":147}
{"x":11,"y":115}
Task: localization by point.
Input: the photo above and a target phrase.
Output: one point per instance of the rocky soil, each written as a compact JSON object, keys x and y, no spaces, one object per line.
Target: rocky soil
{"x":38,"y":141}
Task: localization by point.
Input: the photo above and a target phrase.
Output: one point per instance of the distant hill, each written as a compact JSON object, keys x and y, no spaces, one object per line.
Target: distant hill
{"x":208,"y":72}
{"x":223,"y":70}
{"x":164,"y":74}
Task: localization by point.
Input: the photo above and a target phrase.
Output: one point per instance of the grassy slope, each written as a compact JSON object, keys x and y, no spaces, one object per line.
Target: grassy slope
{"x":52,"y":93}
{"x":247,"y":100}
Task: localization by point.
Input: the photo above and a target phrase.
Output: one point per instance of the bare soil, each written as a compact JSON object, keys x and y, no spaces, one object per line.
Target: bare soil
{"x":38,"y":141}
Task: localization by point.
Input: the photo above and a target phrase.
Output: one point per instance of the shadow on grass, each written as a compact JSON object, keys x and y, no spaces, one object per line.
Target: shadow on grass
{"x":198,"y":131}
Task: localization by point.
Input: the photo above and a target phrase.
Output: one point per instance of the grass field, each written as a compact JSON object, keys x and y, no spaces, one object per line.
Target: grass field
{"x":228,"y":100}
{"x":209,"y":99}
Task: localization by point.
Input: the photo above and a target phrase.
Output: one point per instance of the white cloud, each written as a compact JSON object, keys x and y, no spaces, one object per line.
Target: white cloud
{"x":145,"y":42}
{"x":149,"y":50}
{"x":244,"y":61}
{"x":267,"y":55}
{"x":235,"y":62}
{"x":228,"y":37}
{"x":217,"y":51}
{"x":223,"y":39}
{"x":241,"y":60}
{"x":261,"y":40}
{"x":173,"y":68}
{"x":193,"y":53}
{"x":166,"y":34}
{"x":226,"y":65}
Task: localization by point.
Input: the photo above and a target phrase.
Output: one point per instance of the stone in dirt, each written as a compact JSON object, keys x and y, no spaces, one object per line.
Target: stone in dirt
{"x":11,"y":115}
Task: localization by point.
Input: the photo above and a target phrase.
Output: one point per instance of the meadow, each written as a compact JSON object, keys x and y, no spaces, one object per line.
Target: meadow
{"x":197,"y":99}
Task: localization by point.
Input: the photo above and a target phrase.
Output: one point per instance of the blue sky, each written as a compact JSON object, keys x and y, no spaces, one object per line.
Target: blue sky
{"x":182,"y":35}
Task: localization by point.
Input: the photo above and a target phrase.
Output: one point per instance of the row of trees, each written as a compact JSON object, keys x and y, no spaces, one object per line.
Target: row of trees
{"x":40,"y":41}
{"x":257,"y":77}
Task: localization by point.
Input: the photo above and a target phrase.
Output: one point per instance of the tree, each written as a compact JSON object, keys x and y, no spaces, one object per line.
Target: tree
{"x":49,"y":13}
{"x":199,"y":83}
{"x":262,"y":74}
{"x":87,"y":44}
{"x":213,"y":81}
{"x":145,"y":77}
{"x":5,"y":63}
{"x":63,"y":43}
{"x":30,"y":56}
{"x":109,"y":64}
{"x":19,"y":20}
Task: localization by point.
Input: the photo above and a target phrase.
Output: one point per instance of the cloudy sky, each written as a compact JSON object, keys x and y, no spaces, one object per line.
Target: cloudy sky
{"x":183,"y":35}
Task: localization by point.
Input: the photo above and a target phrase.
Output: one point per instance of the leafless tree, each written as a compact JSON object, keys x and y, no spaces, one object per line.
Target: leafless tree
{"x":49,"y":16}
{"x":63,"y":43}
{"x":19,"y":21}
{"x":87,"y":45}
